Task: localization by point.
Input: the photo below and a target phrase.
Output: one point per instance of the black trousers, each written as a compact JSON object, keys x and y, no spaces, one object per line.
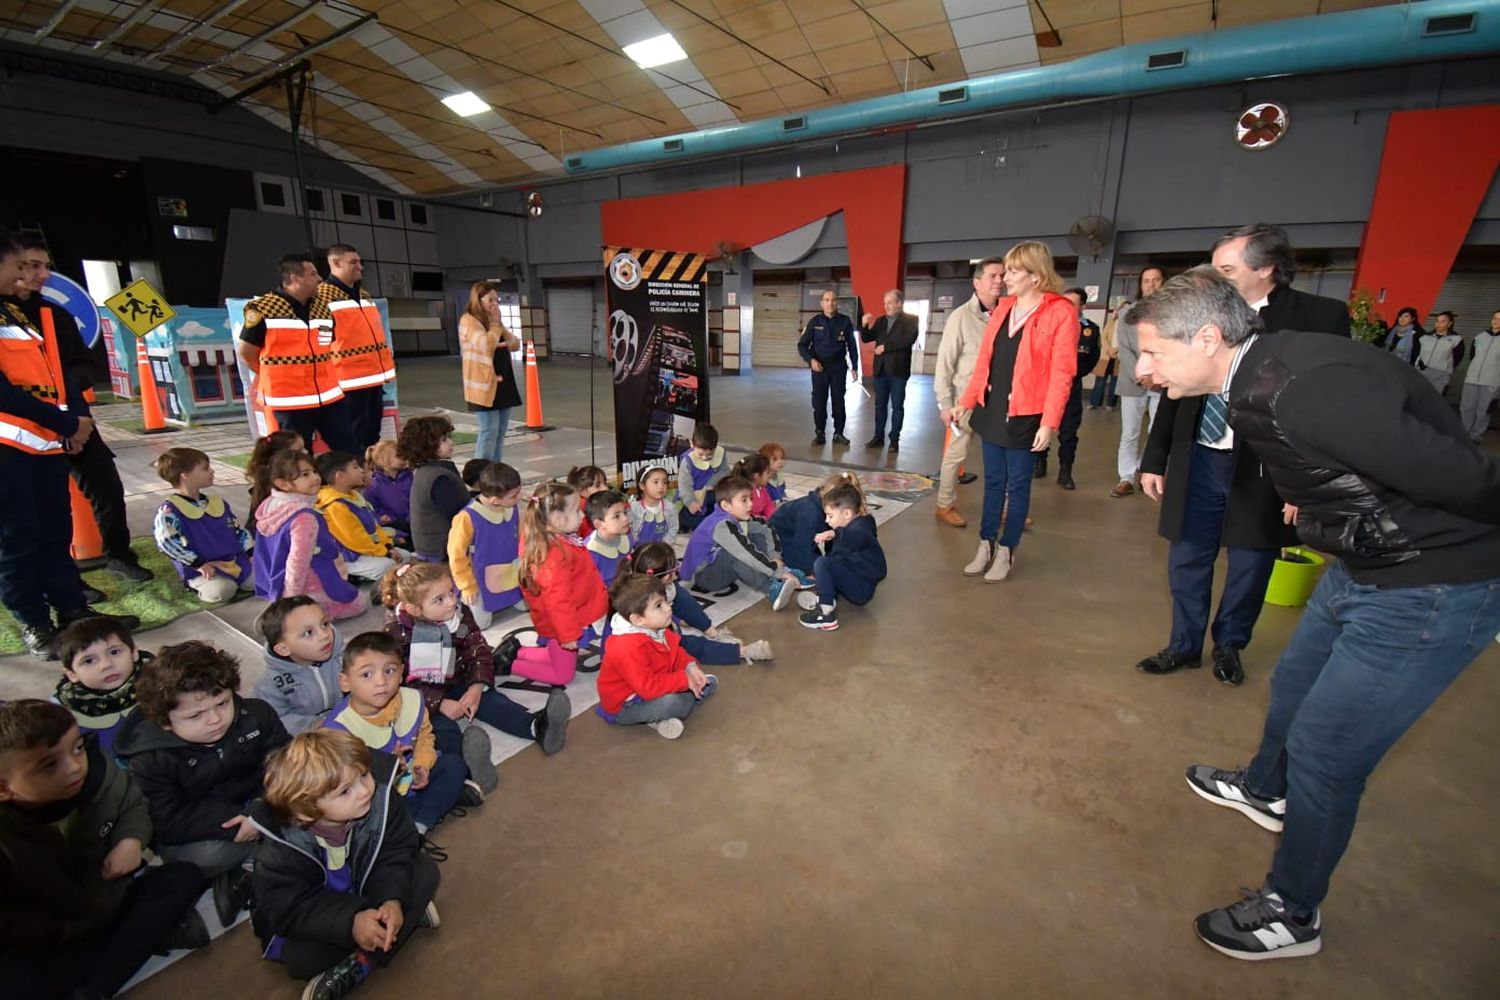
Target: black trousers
{"x":366,"y":410}
{"x":1067,"y":434}
{"x":94,"y":471}
{"x":331,"y":422}
{"x":829,"y":381}
{"x":306,"y":959}
{"x":100,"y":965}
{"x":37,"y":572}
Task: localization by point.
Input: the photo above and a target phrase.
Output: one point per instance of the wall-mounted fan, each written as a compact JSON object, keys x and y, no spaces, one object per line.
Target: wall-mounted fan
{"x":1261,"y":126}
{"x":1090,"y":235}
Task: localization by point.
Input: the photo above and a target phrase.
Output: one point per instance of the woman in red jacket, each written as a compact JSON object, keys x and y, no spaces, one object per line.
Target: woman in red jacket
{"x":561,"y":583}
{"x":1015,"y":398}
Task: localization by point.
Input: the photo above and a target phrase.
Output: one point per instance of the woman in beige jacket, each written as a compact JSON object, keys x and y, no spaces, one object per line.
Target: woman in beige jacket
{"x":489,"y":378}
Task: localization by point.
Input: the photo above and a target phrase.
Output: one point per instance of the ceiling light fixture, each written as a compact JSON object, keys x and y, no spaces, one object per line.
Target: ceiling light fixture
{"x":652,"y":52}
{"x":466,"y":105}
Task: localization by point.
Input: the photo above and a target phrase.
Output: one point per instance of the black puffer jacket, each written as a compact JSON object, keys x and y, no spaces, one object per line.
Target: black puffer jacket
{"x":292,"y":898}
{"x":194,"y":788}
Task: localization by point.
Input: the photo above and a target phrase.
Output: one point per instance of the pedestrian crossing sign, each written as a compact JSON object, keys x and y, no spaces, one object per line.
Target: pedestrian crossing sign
{"x":140,"y":307}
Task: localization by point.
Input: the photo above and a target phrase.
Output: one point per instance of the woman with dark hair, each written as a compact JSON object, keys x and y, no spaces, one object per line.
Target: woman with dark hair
{"x":489,"y":378}
{"x":1015,"y":398}
{"x":1402,"y":336}
{"x":1440,"y":352}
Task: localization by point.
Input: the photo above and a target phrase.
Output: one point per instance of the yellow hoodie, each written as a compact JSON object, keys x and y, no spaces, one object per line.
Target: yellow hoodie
{"x":347,"y":528}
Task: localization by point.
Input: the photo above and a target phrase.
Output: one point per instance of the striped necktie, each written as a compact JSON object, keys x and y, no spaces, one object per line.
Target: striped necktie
{"x":1214,"y":421}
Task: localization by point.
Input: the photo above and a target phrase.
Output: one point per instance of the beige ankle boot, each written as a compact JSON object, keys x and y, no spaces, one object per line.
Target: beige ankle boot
{"x":981,"y":558}
{"x":1000,"y":567}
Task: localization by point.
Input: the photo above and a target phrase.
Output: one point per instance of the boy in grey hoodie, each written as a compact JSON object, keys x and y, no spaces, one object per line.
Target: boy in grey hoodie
{"x":304,"y":655}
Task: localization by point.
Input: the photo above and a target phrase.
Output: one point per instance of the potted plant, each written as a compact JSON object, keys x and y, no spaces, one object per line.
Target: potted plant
{"x":1365,"y":322}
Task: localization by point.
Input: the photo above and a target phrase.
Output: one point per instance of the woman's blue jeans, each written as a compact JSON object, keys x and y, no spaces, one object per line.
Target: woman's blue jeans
{"x":492,"y":424}
{"x":1007,"y":476}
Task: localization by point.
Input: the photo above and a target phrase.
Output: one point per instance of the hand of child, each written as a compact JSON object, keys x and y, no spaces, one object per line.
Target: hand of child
{"x":209,"y":570}
{"x":470,"y":701}
{"x":368,"y":931}
{"x":419,"y":777}
{"x":391,"y":918}
{"x":823,"y":537}
{"x":470,"y":597}
{"x":122,"y":859}
{"x":694,"y":507}
{"x":385,"y":519}
{"x":696,"y":679}
{"x":451,"y":709}
{"x":712,"y":631}
{"x":244,"y":831}
{"x":229,"y":569}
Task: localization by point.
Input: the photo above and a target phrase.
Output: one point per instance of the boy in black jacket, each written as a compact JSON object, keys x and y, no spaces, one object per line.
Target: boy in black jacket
{"x":340,"y":878}
{"x":853,"y":561}
{"x":79,"y":915}
{"x":198,"y":750}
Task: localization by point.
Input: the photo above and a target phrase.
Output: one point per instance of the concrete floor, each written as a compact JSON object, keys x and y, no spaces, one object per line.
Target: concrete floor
{"x":965,"y":791}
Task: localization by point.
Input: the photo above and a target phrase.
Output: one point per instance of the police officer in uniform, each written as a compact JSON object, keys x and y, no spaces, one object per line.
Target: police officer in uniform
{"x":1067,"y":434}
{"x":823,"y":345}
{"x":43,"y":417}
{"x":288,"y":344}
{"x":94,"y":466}
{"x":361,"y":350}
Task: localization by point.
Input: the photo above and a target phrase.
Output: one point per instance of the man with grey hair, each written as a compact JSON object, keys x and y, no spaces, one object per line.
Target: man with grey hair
{"x":957,"y":351}
{"x":1213,"y":492}
{"x":1376,"y":470}
{"x":893,"y":335}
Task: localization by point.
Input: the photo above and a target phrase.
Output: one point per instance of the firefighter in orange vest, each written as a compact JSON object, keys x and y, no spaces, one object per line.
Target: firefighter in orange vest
{"x":287,"y":341}
{"x":361,"y":349}
{"x":43,"y":418}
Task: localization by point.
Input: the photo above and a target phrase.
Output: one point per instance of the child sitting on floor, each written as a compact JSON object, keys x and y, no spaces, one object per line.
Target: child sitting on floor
{"x":732,"y":546}
{"x":392,"y":719}
{"x":699,"y":470}
{"x":647,"y":677}
{"x":100,"y":667}
{"x":798,"y":521}
{"x":853,"y":562}
{"x":716,"y":646}
{"x":81,"y":911}
{"x":198,"y":751}
{"x":368,"y":549}
{"x":609,"y":543}
{"x":652,"y":516}
{"x":776,"y":485}
{"x":587,"y":480}
{"x":755,"y":469}
{"x":341,"y":881}
{"x":199,"y":533}
{"x":451,"y":665}
{"x":304,"y":654}
{"x":258,"y":465}
{"x":484,"y":545}
{"x":294,"y":551}
{"x":473,"y":469}
{"x":389,"y":490}
{"x":562,"y":585}
{"x":437,"y":490}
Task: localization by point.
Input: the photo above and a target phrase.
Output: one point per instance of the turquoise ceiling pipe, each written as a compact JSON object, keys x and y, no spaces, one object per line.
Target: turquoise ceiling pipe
{"x":1376,"y":36}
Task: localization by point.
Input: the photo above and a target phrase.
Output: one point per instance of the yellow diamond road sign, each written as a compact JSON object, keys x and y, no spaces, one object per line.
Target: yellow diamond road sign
{"x":140,"y":307}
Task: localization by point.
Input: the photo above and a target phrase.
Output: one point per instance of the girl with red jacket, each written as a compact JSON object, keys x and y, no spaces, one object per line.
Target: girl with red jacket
{"x":1015,"y":398}
{"x":647,"y":677}
{"x":561,"y":583}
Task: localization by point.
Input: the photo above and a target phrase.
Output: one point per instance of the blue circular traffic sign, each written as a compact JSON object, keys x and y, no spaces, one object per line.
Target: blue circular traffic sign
{"x":68,"y":294}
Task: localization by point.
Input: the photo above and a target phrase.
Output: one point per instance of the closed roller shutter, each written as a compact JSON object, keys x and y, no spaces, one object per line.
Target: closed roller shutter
{"x":778,"y":309}
{"x":570,"y":318}
{"x":1472,"y":298}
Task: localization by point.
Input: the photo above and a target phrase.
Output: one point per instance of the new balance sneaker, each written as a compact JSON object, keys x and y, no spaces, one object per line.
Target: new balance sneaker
{"x":472,"y":794}
{"x":667,"y":729}
{"x":550,"y":725}
{"x":807,"y":600}
{"x":339,"y":980}
{"x":781,"y":593}
{"x":430,"y":917}
{"x":817,"y":618}
{"x":758,"y":650}
{"x":1259,"y":927}
{"x":1227,"y":788}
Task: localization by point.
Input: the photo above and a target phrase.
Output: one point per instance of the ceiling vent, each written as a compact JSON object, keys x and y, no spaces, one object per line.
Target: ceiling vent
{"x":574,"y":162}
{"x":1448,"y":24}
{"x":671,"y":146}
{"x":794,"y":124}
{"x":1167,"y":60}
{"x":953,"y":95}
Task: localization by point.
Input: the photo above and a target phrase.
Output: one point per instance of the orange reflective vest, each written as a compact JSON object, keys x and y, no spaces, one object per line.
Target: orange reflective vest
{"x":296,"y":362}
{"x":30,"y":363}
{"x":361,"y":352}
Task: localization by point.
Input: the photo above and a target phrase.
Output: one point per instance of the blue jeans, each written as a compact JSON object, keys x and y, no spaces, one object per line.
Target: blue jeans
{"x":491,"y":441}
{"x":669,"y":706}
{"x":890,"y":390}
{"x":710,"y":652}
{"x":1363,"y":665}
{"x":1007,"y":476}
{"x":445,"y":782}
{"x":1103,"y":393}
{"x":494,"y":710}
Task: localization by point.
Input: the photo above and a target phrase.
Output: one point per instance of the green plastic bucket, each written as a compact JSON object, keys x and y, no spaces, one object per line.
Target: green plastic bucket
{"x":1294,"y":577}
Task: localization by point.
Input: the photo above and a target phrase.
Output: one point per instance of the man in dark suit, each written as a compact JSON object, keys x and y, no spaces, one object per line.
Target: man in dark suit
{"x":1214,"y":492}
{"x":893,"y":336}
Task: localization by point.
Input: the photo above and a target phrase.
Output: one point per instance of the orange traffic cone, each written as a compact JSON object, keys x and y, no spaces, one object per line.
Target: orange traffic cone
{"x":151,"y":414}
{"x":87,"y":543}
{"x":533,"y":388}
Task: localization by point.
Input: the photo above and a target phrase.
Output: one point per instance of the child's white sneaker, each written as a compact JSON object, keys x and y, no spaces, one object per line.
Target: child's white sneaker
{"x":807,"y":600}
{"x":667,"y":729}
{"x":781,"y":593}
{"x":758,"y":650}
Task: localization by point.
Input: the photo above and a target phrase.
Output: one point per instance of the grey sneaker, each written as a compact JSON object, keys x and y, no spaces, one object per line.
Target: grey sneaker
{"x":1259,"y":927}
{"x":758,"y":650}
{"x":807,"y":600}
{"x":1227,"y":788}
{"x":551,"y":723}
{"x":667,"y":729}
{"x":476,"y":754}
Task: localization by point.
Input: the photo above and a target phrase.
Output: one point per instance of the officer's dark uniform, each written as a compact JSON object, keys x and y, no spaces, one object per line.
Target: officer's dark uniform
{"x":828,"y":340}
{"x":1067,"y":434}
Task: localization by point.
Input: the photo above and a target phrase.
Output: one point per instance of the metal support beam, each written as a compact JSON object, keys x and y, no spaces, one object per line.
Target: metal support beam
{"x":302,"y":54}
{"x":53,"y":21}
{"x":273,"y":30}
{"x":192,"y":31}
{"x":126,"y":26}
{"x":296,"y":90}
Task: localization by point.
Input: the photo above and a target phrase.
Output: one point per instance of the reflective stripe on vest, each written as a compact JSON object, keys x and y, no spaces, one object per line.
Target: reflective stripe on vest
{"x":361,"y":355}
{"x":23,"y":360}
{"x":477,"y":351}
{"x":296,"y":371}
